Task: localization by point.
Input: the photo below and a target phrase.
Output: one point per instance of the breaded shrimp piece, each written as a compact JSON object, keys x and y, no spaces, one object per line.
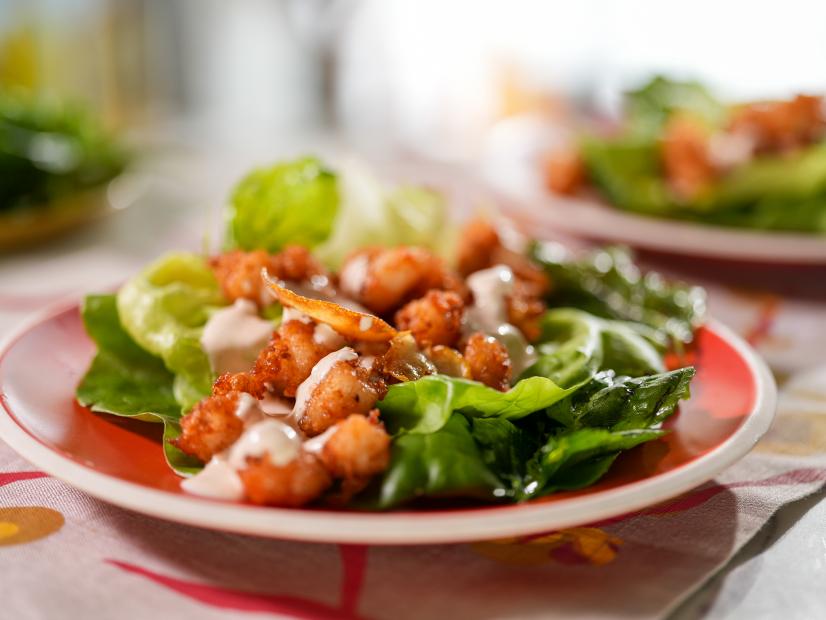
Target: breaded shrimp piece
{"x":295,"y":484}
{"x":781,"y":125}
{"x":295,"y":263}
{"x":488,"y":361}
{"x":525,"y":310}
{"x":686,"y":156}
{"x":346,"y":388}
{"x":476,"y":244}
{"x":289,"y":357}
{"x":239,"y":272}
{"x":210,"y":426}
{"x":565,"y":171}
{"x":359,"y":448}
{"x":383,"y":279}
{"x":238,"y":382}
{"x":435,"y":319}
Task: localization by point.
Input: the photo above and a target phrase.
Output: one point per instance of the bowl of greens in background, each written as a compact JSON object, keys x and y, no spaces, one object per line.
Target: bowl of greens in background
{"x":56,"y":163}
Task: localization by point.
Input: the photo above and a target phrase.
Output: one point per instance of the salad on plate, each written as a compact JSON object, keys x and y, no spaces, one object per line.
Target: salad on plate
{"x":679,"y":152}
{"x":349,"y":347}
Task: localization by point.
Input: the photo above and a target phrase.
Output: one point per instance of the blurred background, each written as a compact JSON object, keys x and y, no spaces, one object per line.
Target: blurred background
{"x":201,"y":90}
{"x":431,"y":78}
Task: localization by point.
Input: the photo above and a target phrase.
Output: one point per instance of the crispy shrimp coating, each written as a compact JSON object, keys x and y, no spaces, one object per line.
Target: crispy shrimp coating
{"x":525,"y":310}
{"x":476,"y":245}
{"x":346,"y":388}
{"x":359,"y":448}
{"x":488,"y":361}
{"x":565,"y":171}
{"x":289,"y":357}
{"x":239,"y":272}
{"x":295,"y":263}
{"x":239,"y":382}
{"x":778,"y":126}
{"x":383,"y":279}
{"x":295,"y":484}
{"x":686,"y":156}
{"x":435,"y":319}
{"x":210,"y":426}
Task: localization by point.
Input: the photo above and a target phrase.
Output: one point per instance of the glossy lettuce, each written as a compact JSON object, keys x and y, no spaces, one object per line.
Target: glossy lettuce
{"x":425,"y":405}
{"x":446,"y":462}
{"x":569,"y":445}
{"x":125,"y":380}
{"x":575,"y":345}
{"x":608,"y":283}
{"x":574,"y":459}
{"x":293,"y":202}
{"x":303,"y":202}
{"x":164,"y":309}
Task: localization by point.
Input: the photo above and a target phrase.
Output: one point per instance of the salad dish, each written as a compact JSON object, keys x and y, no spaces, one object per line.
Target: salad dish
{"x":394,"y":376}
{"x":679,"y":152}
{"x":351,"y":367}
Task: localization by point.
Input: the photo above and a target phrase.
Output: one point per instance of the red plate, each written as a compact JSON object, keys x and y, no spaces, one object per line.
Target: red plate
{"x":121,"y":461}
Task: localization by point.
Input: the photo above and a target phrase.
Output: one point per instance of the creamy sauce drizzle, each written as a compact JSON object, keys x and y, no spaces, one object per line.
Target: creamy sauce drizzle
{"x":319,"y":371}
{"x":315,"y":445}
{"x":233,"y":337}
{"x":327,"y":337}
{"x":291,"y":314}
{"x":271,"y":438}
{"x":274,"y":406}
{"x":218,"y":480}
{"x":489,"y":314}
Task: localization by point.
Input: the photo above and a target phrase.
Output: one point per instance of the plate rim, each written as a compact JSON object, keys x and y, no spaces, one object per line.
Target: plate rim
{"x":669,"y":236}
{"x":394,"y":528}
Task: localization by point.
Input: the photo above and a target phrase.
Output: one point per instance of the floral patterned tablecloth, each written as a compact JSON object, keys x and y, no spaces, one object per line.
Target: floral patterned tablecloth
{"x":66,"y":555}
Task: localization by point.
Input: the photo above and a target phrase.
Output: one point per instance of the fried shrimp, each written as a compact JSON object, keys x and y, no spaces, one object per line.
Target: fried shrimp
{"x":525,"y":310}
{"x":488,"y":361}
{"x":686,"y":156}
{"x":481,"y":247}
{"x":384,"y":279}
{"x":239,"y":272}
{"x":778,"y":126}
{"x":565,"y":171}
{"x":346,"y":388}
{"x":435,"y":319}
{"x":289,"y":357}
{"x":358,"y":448}
{"x":210,"y":426}
{"x":238,"y":382}
{"x":295,"y":484}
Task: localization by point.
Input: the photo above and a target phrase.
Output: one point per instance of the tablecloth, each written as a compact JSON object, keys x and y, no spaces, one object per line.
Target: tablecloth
{"x":66,"y":555}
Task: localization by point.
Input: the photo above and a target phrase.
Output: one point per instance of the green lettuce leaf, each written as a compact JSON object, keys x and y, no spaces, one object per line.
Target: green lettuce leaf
{"x":649,"y":107}
{"x":425,"y":405}
{"x":573,"y":459}
{"x":575,"y":345}
{"x":623,"y":403}
{"x":164,"y":309}
{"x":607,"y":283}
{"x":292,"y":202}
{"x":371,"y":213}
{"x":125,"y":380}
{"x":446,"y":462}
